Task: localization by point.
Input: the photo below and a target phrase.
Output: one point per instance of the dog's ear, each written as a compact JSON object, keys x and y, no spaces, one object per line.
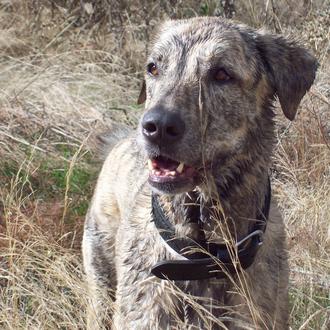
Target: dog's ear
{"x":142,"y":96}
{"x":291,"y":69}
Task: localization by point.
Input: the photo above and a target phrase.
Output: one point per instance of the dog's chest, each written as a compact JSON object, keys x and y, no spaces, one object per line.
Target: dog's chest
{"x":139,"y":247}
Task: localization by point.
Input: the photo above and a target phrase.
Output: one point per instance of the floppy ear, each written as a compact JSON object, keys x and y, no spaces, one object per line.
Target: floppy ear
{"x":142,"y":96}
{"x":291,"y":70}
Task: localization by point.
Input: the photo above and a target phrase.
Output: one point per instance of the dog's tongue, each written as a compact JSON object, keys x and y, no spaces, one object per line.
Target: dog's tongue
{"x":163,"y":163}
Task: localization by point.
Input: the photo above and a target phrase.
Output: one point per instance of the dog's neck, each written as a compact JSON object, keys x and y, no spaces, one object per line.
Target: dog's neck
{"x":226,"y":204}
{"x":199,"y":214}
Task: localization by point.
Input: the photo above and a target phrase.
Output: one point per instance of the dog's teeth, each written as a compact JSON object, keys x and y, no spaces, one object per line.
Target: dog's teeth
{"x":172,"y":173}
{"x":158,"y":172}
{"x":150,"y":165}
{"x":179,"y":169}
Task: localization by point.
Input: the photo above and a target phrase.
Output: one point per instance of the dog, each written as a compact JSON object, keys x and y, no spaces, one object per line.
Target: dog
{"x":182,"y":232}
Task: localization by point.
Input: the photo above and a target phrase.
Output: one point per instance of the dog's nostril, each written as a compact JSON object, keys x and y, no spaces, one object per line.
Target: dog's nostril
{"x":172,"y":131}
{"x":150,"y":127}
{"x":162,"y":127}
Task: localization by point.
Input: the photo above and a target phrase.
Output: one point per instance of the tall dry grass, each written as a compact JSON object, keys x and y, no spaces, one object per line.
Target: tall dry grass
{"x":69,"y":71}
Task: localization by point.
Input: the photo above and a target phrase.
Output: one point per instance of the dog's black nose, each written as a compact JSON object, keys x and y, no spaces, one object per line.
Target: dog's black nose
{"x":160,"y":126}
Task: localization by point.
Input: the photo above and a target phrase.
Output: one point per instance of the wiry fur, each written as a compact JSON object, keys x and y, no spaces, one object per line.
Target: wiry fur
{"x":230,"y":133}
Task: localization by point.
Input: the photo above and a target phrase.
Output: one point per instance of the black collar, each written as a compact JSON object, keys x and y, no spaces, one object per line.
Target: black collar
{"x":217,"y":261}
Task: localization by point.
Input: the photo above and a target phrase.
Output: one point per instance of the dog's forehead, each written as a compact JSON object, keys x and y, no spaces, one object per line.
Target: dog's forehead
{"x":205,"y":37}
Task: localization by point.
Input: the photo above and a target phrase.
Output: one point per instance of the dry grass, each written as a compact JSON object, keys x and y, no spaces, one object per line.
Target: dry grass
{"x":64,"y":77}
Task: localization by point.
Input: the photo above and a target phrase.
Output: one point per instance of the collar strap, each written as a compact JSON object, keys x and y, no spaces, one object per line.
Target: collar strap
{"x":204,"y":259}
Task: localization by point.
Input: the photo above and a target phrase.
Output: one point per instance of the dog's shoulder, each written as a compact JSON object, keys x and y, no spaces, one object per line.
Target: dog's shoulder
{"x":123,"y":159}
{"x":123,"y":173}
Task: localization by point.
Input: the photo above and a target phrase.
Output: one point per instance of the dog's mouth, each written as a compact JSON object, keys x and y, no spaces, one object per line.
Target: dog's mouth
{"x":164,"y":169}
{"x":169,"y":175}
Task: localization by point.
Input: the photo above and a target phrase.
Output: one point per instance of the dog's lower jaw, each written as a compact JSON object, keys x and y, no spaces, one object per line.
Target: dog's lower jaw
{"x":172,"y":189}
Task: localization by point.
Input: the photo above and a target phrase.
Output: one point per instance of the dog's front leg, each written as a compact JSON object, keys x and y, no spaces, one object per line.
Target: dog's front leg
{"x":98,"y":254}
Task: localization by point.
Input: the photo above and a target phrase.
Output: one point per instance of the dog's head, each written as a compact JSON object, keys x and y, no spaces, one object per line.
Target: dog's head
{"x":208,"y":90}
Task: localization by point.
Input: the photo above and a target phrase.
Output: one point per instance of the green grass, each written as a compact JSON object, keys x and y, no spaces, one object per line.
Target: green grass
{"x":52,"y":181}
{"x":313,"y":302}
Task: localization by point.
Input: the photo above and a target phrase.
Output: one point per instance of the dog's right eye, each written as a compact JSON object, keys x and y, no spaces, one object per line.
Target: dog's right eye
{"x":152,"y":69}
{"x":221,"y":75}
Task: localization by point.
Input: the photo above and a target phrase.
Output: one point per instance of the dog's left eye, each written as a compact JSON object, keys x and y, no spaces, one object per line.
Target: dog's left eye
{"x":152,"y":69}
{"x":221,"y":75}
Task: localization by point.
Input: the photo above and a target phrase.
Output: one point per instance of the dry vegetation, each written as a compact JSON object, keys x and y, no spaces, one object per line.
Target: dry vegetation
{"x":70,"y":70}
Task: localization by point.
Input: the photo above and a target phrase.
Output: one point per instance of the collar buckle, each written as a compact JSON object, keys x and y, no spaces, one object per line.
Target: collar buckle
{"x":257,"y":234}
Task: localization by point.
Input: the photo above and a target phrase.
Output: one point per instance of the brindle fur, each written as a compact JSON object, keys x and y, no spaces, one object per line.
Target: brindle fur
{"x":230,"y":131}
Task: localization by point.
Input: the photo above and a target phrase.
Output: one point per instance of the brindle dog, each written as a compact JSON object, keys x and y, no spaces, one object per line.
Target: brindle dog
{"x":203,"y":151}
